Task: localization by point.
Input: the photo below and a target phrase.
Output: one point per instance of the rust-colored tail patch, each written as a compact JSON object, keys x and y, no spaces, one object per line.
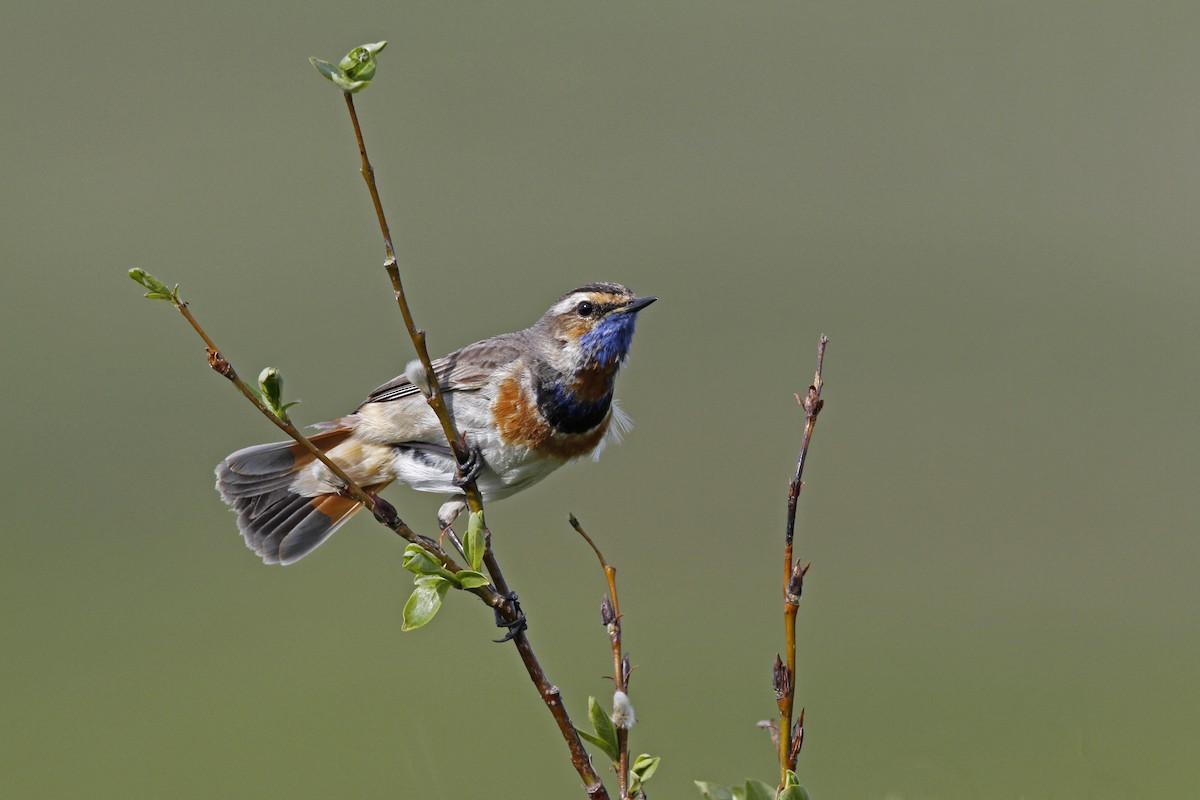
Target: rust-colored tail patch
{"x":279,"y":524}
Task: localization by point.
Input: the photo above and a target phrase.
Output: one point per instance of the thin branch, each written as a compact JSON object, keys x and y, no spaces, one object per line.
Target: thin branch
{"x":610,"y":615}
{"x":812,"y":405}
{"x":436,"y":402}
{"x":548,"y":692}
{"x":793,"y":582}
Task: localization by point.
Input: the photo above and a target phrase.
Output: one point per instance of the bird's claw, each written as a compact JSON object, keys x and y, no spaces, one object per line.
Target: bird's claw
{"x":518,"y":624}
{"x":469,"y":468}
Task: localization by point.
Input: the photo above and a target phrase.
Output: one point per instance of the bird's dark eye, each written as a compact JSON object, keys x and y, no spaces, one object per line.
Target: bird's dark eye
{"x":584,"y":309}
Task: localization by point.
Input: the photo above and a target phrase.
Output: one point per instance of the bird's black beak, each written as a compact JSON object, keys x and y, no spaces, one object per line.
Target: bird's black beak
{"x":637,"y":304}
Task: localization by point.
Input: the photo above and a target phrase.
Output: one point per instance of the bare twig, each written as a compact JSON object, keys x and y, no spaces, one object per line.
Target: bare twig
{"x":610,"y":615}
{"x":790,"y":738}
{"x":549,"y":693}
{"x":436,"y":402}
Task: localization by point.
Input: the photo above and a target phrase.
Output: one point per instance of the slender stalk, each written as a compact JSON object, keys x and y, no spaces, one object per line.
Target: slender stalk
{"x":436,"y":401}
{"x":793,"y":580}
{"x":549,"y":693}
{"x":620,"y":674}
{"x":610,"y":574}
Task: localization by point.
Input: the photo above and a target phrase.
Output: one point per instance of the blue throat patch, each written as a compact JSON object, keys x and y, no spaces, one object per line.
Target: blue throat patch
{"x":608,"y":343}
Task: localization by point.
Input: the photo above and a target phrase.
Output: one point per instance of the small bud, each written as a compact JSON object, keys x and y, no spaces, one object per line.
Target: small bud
{"x":811,"y":402}
{"x":623,"y":716}
{"x":797,"y":737}
{"x":795,"y":584}
{"x":606,"y":612}
{"x":271,"y":382}
{"x":418,"y":376}
{"x":270,"y":385}
{"x":626,"y":670}
{"x":386,"y":513}
{"x":781,"y":679}
{"x":219,"y":364}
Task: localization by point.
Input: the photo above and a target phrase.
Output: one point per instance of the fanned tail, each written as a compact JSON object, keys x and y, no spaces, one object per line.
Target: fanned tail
{"x":278,"y":524}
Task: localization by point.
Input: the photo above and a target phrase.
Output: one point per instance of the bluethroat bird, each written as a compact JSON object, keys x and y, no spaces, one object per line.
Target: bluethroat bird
{"x":527,"y":402}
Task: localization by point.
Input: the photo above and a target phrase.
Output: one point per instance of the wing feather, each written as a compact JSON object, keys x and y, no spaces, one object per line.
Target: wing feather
{"x":463,"y":370}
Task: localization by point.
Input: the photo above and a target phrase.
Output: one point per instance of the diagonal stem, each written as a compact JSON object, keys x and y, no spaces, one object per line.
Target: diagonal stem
{"x":549,"y":693}
{"x":793,"y":572}
{"x":435,"y":398}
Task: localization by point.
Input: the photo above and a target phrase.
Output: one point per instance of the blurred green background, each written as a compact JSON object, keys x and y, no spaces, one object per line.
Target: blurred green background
{"x":991,"y":210}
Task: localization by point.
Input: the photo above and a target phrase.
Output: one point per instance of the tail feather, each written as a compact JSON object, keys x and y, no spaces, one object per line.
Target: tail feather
{"x":280,"y":525}
{"x":234,"y":487}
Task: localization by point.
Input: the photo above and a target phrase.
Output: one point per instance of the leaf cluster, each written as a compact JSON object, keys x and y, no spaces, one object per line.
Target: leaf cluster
{"x":158,"y":289}
{"x":604,"y":736}
{"x":433,"y":580}
{"x":754,"y":790}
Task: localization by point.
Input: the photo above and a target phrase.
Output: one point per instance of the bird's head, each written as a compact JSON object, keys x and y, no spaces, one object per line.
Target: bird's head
{"x":592,"y":326}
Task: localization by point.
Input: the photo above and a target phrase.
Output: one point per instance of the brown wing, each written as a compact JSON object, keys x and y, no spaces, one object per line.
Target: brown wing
{"x":463,"y":370}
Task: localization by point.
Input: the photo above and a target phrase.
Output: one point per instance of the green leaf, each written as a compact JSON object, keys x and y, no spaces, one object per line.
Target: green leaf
{"x":606,"y":734}
{"x":359,"y":64}
{"x":343,"y":82}
{"x":642,"y":770}
{"x":360,"y":55}
{"x":425,"y":601}
{"x":470,"y":579}
{"x":474,"y":543}
{"x":757,"y":790}
{"x":792,"y":790}
{"x":420,"y":561}
{"x":645,"y":765}
{"x":158,"y":289}
{"x":596,"y":740}
{"x":330,"y":71}
{"x":362,"y":71}
{"x":712,"y":791}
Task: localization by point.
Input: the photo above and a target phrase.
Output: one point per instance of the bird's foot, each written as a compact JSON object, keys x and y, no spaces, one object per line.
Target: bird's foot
{"x":516,"y":624}
{"x":469,"y":468}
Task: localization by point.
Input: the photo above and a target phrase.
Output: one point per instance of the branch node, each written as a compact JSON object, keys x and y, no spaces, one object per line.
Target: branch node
{"x":219,"y":364}
{"x":795,"y":584}
{"x":385,"y":512}
{"x":781,"y":679}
